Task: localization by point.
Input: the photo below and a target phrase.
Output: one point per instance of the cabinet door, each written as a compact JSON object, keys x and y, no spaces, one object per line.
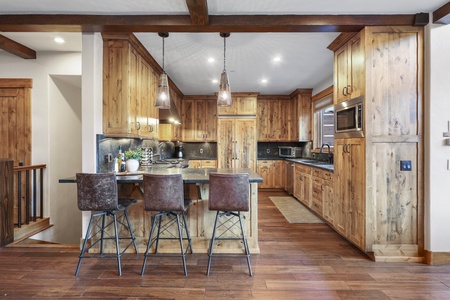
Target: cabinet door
{"x":225,"y":143}
{"x":317,"y":195}
{"x":341,"y":64}
{"x":328,"y":201}
{"x":263,"y":120}
{"x":211,"y":120}
{"x":241,"y":105}
{"x":188,"y":120}
{"x":342,"y":167}
{"x":245,"y":143}
{"x":200,"y":120}
{"x":264,"y":170}
{"x":356,"y":78}
{"x":278,"y":172}
{"x":285,"y":121}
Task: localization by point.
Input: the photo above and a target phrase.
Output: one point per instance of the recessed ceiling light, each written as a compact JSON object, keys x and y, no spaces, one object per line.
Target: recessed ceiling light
{"x":211,"y":60}
{"x":264,"y":80}
{"x":276,"y":59}
{"x":215,"y":81}
{"x":59,"y":40}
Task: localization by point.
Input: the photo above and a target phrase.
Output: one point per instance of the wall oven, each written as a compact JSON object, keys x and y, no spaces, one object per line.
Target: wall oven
{"x":349,"y":118}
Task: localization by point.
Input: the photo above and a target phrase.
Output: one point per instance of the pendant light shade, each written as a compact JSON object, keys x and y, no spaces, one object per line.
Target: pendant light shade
{"x":163,"y":94}
{"x":224,"y":97}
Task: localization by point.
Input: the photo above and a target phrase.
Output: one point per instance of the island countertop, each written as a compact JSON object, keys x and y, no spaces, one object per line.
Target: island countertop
{"x":190,"y":175}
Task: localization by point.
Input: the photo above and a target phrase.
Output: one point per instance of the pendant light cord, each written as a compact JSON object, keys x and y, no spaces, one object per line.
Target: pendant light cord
{"x":163,"y":55}
{"x":224,"y":51}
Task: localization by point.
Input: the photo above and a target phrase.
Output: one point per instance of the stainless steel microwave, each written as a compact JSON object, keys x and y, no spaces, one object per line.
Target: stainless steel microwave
{"x":288,"y":151}
{"x":349,"y":118}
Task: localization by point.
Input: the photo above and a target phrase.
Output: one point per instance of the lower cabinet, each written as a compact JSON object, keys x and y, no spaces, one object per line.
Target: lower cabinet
{"x":271,"y":172}
{"x":323,"y":194}
{"x":200,"y":163}
{"x":302,"y":184}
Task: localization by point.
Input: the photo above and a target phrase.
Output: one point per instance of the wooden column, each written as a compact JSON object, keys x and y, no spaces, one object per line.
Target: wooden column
{"x":6,"y":202}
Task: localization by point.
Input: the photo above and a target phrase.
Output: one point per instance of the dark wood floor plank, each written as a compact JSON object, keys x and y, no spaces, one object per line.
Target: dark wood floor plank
{"x":297,"y":261}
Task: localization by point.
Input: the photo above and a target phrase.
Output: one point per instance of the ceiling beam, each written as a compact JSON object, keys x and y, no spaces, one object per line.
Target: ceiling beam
{"x":442,"y":14}
{"x":198,"y":10}
{"x":15,"y":48}
{"x":182,"y":23}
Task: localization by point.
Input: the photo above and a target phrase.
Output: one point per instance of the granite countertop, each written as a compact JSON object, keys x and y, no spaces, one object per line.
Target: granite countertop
{"x":313,"y":163}
{"x":190,"y":175}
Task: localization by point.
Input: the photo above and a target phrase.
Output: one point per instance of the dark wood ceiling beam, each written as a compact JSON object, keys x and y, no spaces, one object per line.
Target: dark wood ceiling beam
{"x":177,"y":23}
{"x":15,"y":48}
{"x":198,"y":10}
{"x":442,"y":14}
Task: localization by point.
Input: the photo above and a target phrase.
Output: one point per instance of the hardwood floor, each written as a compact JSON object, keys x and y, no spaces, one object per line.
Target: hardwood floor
{"x":297,"y":261}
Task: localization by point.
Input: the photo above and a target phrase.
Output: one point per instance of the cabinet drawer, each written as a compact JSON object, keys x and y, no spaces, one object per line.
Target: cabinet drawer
{"x":302,"y":168}
{"x":317,"y":206}
{"x":325,"y":175}
{"x":209,"y":163}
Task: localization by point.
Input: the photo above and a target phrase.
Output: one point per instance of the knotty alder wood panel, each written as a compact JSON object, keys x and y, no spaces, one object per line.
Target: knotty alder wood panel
{"x":275,"y":118}
{"x":296,"y":261}
{"x":6,"y":202}
{"x":394,"y":129}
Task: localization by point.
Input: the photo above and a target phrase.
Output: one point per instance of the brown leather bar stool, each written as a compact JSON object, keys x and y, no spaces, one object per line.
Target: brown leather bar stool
{"x":98,"y":193}
{"x":229,"y":194}
{"x":165,"y":194}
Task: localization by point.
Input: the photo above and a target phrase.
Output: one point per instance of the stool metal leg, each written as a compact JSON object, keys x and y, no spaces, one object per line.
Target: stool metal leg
{"x":159,"y":231}
{"x":130,"y":229}
{"x":83,"y":249}
{"x":149,"y":243}
{"x":211,"y":245}
{"x":180,"y":235}
{"x":247,"y":252}
{"x":119,"y":267}
{"x":187,"y":232}
{"x":102,"y":234}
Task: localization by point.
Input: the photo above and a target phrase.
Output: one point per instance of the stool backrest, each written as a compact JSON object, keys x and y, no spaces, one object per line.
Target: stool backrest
{"x":163,"y":192}
{"x":97,"y":191}
{"x":229,"y":192}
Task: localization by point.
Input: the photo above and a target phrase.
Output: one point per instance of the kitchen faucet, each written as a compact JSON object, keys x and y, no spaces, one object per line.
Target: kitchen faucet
{"x":330,"y":156}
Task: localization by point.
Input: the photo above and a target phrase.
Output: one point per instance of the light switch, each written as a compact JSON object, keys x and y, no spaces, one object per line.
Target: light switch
{"x":405,"y":165}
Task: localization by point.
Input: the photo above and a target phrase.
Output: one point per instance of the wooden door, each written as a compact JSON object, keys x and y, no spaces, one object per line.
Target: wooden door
{"x":245,"y":143}
{"x":356,"y":77}
{"x":15,"y":121}
{"x":225,"y":143}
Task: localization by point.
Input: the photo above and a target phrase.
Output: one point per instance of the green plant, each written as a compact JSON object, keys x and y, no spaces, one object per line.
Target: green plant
{"x":134,"y":153}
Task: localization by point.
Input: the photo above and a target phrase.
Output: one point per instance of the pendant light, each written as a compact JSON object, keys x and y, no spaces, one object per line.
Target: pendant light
{"x":163,"y":95}
{"x":224,"y":98}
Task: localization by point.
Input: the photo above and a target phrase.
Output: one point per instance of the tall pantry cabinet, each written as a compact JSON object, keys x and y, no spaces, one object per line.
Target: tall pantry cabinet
{"x":236,"y":133}
{"x":378,"y":206}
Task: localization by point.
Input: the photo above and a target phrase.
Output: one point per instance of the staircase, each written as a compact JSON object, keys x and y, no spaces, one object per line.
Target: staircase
{"x":28,"y":230}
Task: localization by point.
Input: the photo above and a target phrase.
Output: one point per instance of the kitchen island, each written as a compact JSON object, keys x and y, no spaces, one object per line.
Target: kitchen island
{"x":200,"y":219}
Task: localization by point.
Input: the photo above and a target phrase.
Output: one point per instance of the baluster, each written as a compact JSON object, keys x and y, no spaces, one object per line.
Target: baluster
{"x":34,"y":195}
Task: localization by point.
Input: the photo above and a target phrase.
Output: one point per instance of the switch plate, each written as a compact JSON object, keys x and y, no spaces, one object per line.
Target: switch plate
{"x":201,"y":151}
{"x":108,"y":157}
{"x":405,"y":165}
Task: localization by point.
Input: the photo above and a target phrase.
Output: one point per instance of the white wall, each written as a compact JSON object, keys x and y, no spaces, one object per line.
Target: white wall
{"x":43,"y":95}
{"x":437,"y":116}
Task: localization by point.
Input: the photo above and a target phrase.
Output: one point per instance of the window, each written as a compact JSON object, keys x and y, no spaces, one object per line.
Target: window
{"x":324,"y":121}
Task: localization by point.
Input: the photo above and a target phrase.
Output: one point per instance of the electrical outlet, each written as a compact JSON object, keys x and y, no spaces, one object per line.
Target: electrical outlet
{"x":108,"y":157}
{"x":268,"y":151}
{"x":405,"y":165}
{"x":201,"y":151}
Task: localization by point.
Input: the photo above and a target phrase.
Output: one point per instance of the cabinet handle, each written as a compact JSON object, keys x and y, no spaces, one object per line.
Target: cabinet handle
{"x":138,"y":125}
{"x":349,"y":89}
{"x":344,"y":91}
{"x":150,"y":128}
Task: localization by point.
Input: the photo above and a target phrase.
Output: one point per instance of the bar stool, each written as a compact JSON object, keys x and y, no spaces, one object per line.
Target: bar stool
{"x":165,"y":194}
{"x":229,"y":194}
{"x":98,"y":193}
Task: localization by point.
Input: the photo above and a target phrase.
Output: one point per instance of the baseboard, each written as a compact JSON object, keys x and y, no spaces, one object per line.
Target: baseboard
{"x":397,"y":253}
{"x":437,"y":258}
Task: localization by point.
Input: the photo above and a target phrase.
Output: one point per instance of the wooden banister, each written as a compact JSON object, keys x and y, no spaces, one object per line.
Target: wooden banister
{"x":6,"y":202}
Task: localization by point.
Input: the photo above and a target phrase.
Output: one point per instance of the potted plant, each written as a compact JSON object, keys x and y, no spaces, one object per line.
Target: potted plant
{"x":132,"y":159}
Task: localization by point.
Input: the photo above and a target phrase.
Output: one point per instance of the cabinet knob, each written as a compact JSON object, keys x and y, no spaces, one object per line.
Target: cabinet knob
{"x":138,"y":125}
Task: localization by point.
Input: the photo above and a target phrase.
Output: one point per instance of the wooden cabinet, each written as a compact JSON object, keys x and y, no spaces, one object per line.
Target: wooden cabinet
{"x":349,"y":69}
{"x":302,"y":184}
{"x":129,"y":90}
{"x":170,"y":132}
{"x":199,"y":120}
{"x":274,"y":117}
{"x":323,"y":194}
{"x":349,"y":162}
{"x":243,"y":104}
{"x":236,"y":143}
{"x":272,"y":173}
{"x":203,"y":163}
{"x":301,"y":129}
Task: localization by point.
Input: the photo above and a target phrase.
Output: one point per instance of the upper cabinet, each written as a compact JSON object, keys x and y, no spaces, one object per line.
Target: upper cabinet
{"x":302,"y":115}
{"x":349,"y":69}
{"x":274,"y":116}
{"x":243,"y":104}
{"x":199,"y":119}
{"x":129,"y":89}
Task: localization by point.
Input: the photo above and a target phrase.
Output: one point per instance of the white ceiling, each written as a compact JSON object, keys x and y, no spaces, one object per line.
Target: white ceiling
{"x":305,"y":60}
